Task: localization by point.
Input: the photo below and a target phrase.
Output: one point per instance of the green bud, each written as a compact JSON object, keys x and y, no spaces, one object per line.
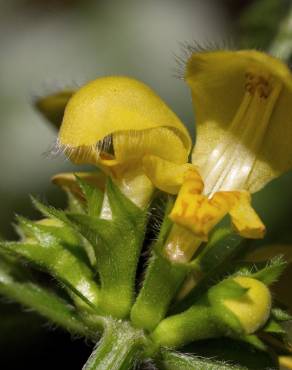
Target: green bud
{"x":242,"y":303}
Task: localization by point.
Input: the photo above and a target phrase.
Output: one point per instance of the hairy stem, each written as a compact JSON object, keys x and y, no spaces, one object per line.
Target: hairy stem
{"x":120,"y":348}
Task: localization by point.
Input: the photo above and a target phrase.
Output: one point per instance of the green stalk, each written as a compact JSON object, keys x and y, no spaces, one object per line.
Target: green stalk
{"x":120,"y":348}
{"x":162,"y":281}
{"x":197,"y":323}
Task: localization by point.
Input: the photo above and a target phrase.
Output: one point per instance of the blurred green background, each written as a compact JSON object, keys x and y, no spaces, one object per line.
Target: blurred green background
{"x":48,"y":44}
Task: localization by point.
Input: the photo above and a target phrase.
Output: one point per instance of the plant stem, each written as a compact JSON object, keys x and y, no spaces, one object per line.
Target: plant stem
{"x":197,"y":323}
{"x":163,"y":279}
{"x":120,"y":347}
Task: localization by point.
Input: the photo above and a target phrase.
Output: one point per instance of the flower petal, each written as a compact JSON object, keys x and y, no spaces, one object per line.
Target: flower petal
{"x":220,"y":82}
{"x":200,"y":214}
{"x":165,"y":175}
{"x":117,"y":106}
{"x":245,"y":219}
{"x":128,"y":146}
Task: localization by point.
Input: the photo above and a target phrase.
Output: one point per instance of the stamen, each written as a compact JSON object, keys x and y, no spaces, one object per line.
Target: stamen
{"x":230,"y":163}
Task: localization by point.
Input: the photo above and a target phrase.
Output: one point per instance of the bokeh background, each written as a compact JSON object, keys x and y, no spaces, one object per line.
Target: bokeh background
{"x":47,"y":45}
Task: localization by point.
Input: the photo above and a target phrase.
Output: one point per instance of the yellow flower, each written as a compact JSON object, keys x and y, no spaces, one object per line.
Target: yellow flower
{"x":196,"y":214}
{"x":200,"y":214}
{"x":118,"y":123}
{"x":241,"y":101}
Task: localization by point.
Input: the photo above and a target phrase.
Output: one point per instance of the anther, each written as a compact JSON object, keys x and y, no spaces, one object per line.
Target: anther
{"x":257,"y":83}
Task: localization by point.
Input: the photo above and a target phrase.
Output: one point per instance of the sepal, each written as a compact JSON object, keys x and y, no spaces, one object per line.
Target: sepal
{"x":243,"y":304}
{"x":280,"y":315}
{"x":117,"y":243}
{"x":56,"y":214}
{"x":267,"y":272}
{"x":274,"y":327}
{"x":17,"y":284}
{"x":93,"y":197}
{"x":62,"y":264}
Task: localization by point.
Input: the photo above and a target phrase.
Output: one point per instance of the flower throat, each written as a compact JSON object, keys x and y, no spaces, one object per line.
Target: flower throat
{"x":230,"y":163}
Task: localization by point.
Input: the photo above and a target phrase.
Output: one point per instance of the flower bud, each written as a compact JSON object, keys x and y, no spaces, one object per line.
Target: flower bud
{"x":252,"y":309}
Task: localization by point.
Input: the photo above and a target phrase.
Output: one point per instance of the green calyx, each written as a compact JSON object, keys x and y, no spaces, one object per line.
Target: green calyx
{"x":95,"y":258}
{"x":117,"y":246}
{"x":227,"y":309}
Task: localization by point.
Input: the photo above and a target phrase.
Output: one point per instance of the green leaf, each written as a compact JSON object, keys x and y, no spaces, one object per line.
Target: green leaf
{"x":117,"y":244}
{"x":117,"y":248}
{"x":93,"y":195}
{"x":49,"y":211}
{"x":61,"y":234}
{"x":273,"y":270}
{"x":62,"y":264}
{"x":273,"y":327}
{"x":281,"y":315}
{"x":14,"y":286}
{"x":228,"y":289}
{"x":122,"y":207}
{"x":75,"y":205}
{"x":254,"y":341}
{"x":53,"y":106}
{"x":178,"y":361}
